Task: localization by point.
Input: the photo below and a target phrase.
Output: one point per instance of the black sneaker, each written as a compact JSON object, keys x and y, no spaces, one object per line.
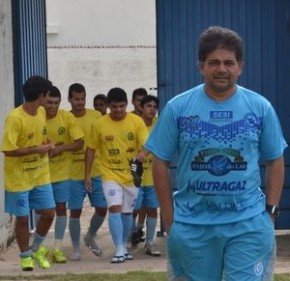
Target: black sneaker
{"x":141,"y":235}
{"x":137,"y":237}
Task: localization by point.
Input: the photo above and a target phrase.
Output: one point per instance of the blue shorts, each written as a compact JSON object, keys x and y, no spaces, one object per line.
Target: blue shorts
{"x":147,"y":198}
{"x":21,"y":202}
{"x":241,"y":251}
{"x":77,"y":194}
{"x":61,"y":191}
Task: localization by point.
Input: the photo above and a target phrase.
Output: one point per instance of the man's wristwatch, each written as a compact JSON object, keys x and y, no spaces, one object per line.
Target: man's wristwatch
{"x":273,"y":210}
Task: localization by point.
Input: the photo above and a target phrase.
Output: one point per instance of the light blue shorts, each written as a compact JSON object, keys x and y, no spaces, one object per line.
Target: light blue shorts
{"x":21,"y":202}
{"x":61,"y":191}
{"x":241,"y":251}
{"x":77,"y":194}
{"x":147,"y":198}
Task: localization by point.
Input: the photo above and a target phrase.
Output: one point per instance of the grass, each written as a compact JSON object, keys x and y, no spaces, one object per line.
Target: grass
{"x":131,"y":276}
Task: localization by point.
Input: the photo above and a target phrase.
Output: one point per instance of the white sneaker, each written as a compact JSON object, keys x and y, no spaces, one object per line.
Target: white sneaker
{"x":76,"y":255}
{"x":92,"y":245}
{"x":152,"y":250}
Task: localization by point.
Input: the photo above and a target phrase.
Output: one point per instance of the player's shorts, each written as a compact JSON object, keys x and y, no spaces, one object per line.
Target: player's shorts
{"x":120,"y":195}
{"x":242,"y":249}
{"x":21,"y":202}
{"x":147,"y":198}
{"x":77,"y":194}
{"x":61,"y":191}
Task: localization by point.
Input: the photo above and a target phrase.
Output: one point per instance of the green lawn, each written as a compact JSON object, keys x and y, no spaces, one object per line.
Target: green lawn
{"x":131,"y":276}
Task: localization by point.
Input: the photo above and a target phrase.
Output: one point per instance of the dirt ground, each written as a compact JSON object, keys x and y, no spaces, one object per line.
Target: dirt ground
{"x":9,"y":261}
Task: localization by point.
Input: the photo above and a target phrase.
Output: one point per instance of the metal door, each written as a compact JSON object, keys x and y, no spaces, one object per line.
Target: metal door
{"x":265,"y":28}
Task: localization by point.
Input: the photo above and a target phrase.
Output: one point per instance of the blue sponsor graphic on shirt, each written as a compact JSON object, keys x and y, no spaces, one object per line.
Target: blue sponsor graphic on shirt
{"x":192,"y":127}
{"x":219,"y":162}
{"x":209,"y":206}
{"x":221,"y":116}
{"x":218,"y":166}
{"x":214,"y":187}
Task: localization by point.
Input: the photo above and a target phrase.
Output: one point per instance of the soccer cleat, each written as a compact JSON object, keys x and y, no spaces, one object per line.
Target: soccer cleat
{"x":92,"y":245}
{"x":151,"y":250}
{"x":58,"y":256}
{"x":136,"y":171}
{"x":27,"y":264}
{"x":76,"y":255}
{"x":137,"y":237}
{"x":40,"y":257}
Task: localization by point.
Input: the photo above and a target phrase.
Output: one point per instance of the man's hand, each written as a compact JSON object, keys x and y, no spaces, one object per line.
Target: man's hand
{"x":88,"y":185}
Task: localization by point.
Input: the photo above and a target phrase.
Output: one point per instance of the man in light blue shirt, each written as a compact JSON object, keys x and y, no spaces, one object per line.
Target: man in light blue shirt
{"x":219,"y":132}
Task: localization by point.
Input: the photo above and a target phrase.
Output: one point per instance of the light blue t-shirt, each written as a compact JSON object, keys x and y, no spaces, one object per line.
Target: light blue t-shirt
{"x":218,"y":146}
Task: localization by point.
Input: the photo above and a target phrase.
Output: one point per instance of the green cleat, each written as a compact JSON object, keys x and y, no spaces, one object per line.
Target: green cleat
{"x":27,"y":264}
{"x":58,"y":256}
{"x":40,"y":257}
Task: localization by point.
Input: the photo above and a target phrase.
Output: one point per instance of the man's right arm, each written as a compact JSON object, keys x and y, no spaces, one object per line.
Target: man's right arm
{"x":40,"y":149}
{"x":89,"y":159}
{"x":162,"y":183}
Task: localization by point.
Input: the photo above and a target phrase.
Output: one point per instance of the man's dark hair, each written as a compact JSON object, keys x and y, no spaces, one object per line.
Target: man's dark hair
{"x":101,"y":97}
{"x":55,"y":92}
{"x":139,"y":92}
{"x":76,"y":88}
{"x":216,"y":37}
{"x":35,"y":86}
{"x":149,"y":98}
{"x":117,"y":95}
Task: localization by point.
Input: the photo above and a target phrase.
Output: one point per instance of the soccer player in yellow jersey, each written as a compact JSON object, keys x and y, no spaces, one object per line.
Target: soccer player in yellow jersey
{"x":26,"y":171}
{"x":63,"y":131}
{"x":100,"y":103}
{"x":147,"y":198}
{"x":85,"y":119}
{"x":137,"y":95}
{"x":119,"y":136}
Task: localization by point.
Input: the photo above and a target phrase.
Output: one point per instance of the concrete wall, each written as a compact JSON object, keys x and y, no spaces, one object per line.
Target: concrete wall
{"x":102,"y":44}
{"x":6,"y":104}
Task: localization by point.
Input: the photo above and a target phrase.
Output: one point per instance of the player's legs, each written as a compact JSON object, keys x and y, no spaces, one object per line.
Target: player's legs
{"x":136,"y":235}
{"x":77,"y":193}
{"x":130,"y":194}
{"x":151,"y":204}
{"x":42,"y":201}
{"x":61,"y":194}
{"x":98,"y":200}
{"x":114,"y":196}
{"x":17,"y":204}
{"x":121,"y":201}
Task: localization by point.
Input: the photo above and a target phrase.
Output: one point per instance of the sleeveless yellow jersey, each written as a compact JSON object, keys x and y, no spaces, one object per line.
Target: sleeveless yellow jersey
{"x":22,"y":130}
{"x":78,"y":157}
{"x":147,"y":178}
{"x":62,"y":129}
{"x":118,"y":142}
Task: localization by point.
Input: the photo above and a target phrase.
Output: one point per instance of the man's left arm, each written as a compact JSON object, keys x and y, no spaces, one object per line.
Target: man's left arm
{"x":274,"y":180}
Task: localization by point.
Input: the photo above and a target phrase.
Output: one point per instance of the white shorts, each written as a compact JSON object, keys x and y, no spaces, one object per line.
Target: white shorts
{"x":120,"y":195}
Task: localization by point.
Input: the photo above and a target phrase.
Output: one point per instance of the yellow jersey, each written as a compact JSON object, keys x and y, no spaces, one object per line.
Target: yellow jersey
{"x":77,"y":171}
{"x":62,"y":129}
{"x":22,"y":130}
{"x":118,"y":143}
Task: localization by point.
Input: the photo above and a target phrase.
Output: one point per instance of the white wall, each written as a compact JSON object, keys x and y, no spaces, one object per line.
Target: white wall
{"x":6,"y":104}
{"x":102,"y":44}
